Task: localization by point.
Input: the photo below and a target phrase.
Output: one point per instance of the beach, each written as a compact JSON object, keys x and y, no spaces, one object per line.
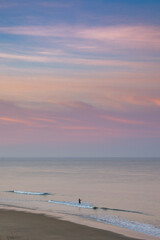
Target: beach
{"x":110,"y":189}
{"x":23,"y":225}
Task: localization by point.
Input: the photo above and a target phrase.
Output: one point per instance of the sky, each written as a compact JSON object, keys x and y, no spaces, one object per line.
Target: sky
{"x":80,"y":78}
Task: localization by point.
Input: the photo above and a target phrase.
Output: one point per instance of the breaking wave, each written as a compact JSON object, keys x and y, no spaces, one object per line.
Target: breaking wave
{"x":90,"y":206}
{"x":73,"y":204}
{"x":147,"y":229}
{"x":30,"y":193}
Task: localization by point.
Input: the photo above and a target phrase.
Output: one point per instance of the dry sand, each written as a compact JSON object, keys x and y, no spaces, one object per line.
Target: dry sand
{"x":15,"y":225}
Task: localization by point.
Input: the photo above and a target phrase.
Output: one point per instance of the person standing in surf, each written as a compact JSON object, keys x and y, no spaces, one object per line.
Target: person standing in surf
{"x":79,"y":201}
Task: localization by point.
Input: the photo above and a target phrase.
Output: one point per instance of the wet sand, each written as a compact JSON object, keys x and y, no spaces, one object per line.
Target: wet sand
{"x":15,"y":225}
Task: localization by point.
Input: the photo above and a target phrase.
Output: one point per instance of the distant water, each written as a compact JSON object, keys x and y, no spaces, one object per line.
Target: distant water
{"x":119,"y":192}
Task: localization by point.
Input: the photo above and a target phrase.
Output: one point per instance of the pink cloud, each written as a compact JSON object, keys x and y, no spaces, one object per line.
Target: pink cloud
{"x":114,"y":92}
{"x":124,"y":120}
{"x":78,"y":122}
{"x":140,"y":36}
{"x":142,"y":100}
{"x":74,"y":60}
{"x":123,"y":36}
{"x":156,"y":102}
{"x":14,"y":120}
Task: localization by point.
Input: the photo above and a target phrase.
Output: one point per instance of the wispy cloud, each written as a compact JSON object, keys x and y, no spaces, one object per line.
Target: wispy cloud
{"x":139,"y":36}
{"x":124,"y":120}
{"x":141,"y":100}
{"x":69,"y":121}
{"x":156,"y":101}
{"x":14,"y":120}
{"x":24,"y":57}
{"x":67,"y":92}
{"x":122,"y":36}
{"x":43,"y":31}
{"x":76,"y":60}
{"x":46,"y":120}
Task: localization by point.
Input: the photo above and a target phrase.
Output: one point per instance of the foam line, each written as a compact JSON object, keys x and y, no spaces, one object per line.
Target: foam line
{"x":89,"y":206}
{"x":30,"y":193}
{"x":73,"y":204}
{"x":147,"y":229}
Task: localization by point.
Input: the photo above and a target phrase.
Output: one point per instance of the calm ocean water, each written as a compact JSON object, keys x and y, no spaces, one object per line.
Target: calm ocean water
{"x":116,"y":192}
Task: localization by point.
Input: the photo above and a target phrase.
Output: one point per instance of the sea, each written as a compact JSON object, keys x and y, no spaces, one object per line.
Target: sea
{"x":117,"y":194}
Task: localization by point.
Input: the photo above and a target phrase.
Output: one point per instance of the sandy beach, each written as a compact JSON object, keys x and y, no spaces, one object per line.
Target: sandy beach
{"x":30,"y":226}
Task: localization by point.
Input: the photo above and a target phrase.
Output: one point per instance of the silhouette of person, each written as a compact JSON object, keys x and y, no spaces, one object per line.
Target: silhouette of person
{"x":79,"y":200}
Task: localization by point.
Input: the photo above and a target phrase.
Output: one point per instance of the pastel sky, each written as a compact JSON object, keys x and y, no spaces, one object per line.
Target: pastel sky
{"x":80,"y":78}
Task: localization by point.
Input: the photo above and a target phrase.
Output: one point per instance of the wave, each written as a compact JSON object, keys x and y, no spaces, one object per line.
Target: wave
{"x":90,"y":206}
{"x":73,"y":204}
{"x":119,"y":210}
{"x":147,"y":229}
{"x":30,"y":193}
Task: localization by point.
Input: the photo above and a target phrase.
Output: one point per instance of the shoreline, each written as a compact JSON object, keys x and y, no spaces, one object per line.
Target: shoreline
{"x":37,"y":226}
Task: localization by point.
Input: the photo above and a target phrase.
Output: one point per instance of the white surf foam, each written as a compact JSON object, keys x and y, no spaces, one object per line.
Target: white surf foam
{"x":31,"y":193}
{"x":73,"y":204}
{"x":147,"y":229}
